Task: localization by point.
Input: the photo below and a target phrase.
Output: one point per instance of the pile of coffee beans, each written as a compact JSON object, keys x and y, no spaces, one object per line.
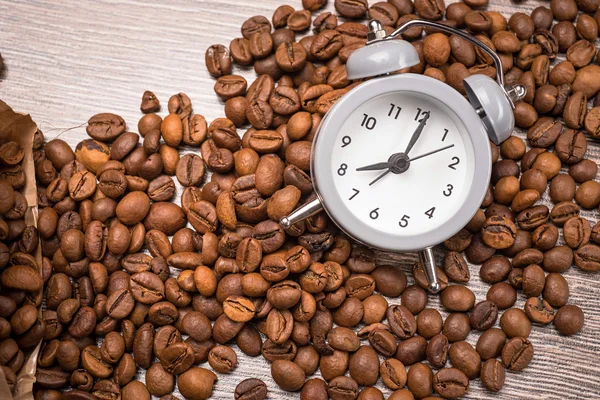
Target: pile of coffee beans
{"x":135,"y":281}
{"x":21,"y":329}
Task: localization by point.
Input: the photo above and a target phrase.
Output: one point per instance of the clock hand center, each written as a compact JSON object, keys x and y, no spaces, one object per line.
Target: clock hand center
{"x":400,"y":162}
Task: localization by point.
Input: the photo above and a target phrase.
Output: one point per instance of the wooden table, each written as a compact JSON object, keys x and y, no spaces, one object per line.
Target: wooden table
{"x":69,"y":60}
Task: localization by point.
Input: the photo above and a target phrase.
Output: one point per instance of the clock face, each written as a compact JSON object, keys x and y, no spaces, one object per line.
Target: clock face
{"x":402,"y":163}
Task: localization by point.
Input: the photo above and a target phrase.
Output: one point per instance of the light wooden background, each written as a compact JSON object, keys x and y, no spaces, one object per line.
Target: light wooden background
{"x":68,"y":60}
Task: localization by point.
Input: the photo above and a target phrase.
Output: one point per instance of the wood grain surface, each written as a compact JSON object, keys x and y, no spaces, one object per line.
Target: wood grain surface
{"x":68,"y":60}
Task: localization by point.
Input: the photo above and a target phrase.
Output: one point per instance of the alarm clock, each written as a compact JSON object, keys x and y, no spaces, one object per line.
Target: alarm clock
{"x":402,"y":162}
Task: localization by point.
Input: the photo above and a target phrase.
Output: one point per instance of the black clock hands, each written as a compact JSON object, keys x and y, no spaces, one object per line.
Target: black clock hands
{"x":417,"y":133}
{"x":380,"y":176}
{"x":376,"y":166}
{"x":389,"y":164}
{"x":399,"y":162}
{"x":432,"y":152}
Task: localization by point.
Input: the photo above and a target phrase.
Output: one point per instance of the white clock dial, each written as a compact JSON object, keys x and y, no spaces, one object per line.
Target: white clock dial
{"x":422,"y":191}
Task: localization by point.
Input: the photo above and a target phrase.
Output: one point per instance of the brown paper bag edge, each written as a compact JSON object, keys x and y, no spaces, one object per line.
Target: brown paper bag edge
{"x":22,"y":131}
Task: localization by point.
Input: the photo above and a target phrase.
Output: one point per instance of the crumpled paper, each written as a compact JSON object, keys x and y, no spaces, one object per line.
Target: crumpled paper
{"x":21,"y":129}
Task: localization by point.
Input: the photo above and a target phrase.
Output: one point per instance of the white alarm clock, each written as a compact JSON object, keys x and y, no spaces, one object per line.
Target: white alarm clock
{"x":402,"y":162}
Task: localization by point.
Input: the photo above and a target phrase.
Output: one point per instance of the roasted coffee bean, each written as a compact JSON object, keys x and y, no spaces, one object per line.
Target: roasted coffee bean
{"x":105,"y":127}
{"x":420,"y":380}
{"x":517,"y":354}
{"x":251,"y":389}
{"x":351,"y":9}
{"x":456,"y":267}
{"x":288,"y":375}
{"x":218,"y":61}
{"x":196,"y":383}
{"x":190,"y":170}
{"x":539,"y":310}
{"x":484,"y":315}
{"x":401,"y":321}
{"x":450,"y":382}
{"x":490,"y":343}
{"x":587,"y":258}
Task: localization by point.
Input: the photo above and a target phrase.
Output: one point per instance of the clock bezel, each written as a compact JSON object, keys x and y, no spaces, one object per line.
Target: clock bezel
{"x":323,"y":175}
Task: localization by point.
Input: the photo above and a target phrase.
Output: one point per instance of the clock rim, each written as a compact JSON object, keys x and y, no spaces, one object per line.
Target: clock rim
{"x":332,"y":123}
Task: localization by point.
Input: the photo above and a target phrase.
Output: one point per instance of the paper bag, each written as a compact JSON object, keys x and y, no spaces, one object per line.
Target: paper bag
{"x":20,"y":128}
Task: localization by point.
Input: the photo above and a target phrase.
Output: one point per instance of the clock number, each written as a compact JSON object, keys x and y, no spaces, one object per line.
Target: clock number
{"x":356,"y":192}
{"x":448,"y":192}
{"x":346,"y":140}
{"x":374,"y":214}
{"x":420,"y":113}
{"x":429,"y":212}
{"x":368,"y":122}
{"x":455,"y":163}
{"x":392,"y":108}
{"x":404,"y":221}
{"x":445,"y":133}
{"x":342,"y":169}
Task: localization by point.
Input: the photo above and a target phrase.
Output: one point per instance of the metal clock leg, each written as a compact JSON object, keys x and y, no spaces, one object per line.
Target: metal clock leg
{"x":428,"y":262}
{"x":307,"y":210}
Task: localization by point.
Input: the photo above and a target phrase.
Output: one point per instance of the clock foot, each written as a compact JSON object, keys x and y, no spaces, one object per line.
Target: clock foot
{"x":307,"y":210}
{"x":428,"y":262}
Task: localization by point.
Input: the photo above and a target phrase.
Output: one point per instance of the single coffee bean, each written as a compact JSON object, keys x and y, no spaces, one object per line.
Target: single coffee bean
{"x":517,"y":353}
{"x":402,"y":322}
{"x":420,"y":380}
{"x":218,"y":60}
{"x":490,"y":343}
{"x":493,"y":375}
{"x":450,"y":383}
{"x":484,"y":315}
{"x":105,"y":127}
{"x":251,"y":389}
{"x":437,"y":351}
{"x":351,"y":9}
{"x":556,"y":290}
{"x":464,"y":357}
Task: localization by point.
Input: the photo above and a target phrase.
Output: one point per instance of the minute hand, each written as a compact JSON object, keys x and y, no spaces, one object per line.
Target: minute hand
{"x":431,"y":152}
{"x":415,"y":136}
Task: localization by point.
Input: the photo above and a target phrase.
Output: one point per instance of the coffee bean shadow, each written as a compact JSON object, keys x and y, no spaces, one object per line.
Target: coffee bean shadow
{"x":3,"y":70}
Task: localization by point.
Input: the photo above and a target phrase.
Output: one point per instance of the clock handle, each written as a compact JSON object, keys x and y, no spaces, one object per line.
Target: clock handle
{"x":307,"y":210}
{"x":428,"y":262}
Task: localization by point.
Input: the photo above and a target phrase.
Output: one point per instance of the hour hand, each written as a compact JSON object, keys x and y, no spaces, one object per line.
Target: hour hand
{"x":376,"y":166}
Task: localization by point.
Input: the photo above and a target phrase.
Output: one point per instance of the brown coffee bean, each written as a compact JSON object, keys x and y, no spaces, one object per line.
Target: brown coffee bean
{"x":490,"y":343}
{"x":539,"y":310}
{"x":420,"y":380}
{"x":299,"y":20}
{"x":401,"y":321}
{"x":556,"y":290}
{"x":587,"y":257}
{"x":450,"y":382}
{"x":351,"y":9}
{"x":288,"y":375}
{"x":251,"y":389}
{"x":105,"y":127}
{"x":342,"y":387}
{"x":218,"y":61}
{"x":514,"y":323}
{"x":196,"y":383}
{"x":493,"y":375}
{"x":326,"y":45}
{"x":437,"y":351}
{"x":393,"y":373}
{"x":222,"y":359}
{"x":517,"y":354}
{"x":581,"y":53}
{"x":230,"y":86}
